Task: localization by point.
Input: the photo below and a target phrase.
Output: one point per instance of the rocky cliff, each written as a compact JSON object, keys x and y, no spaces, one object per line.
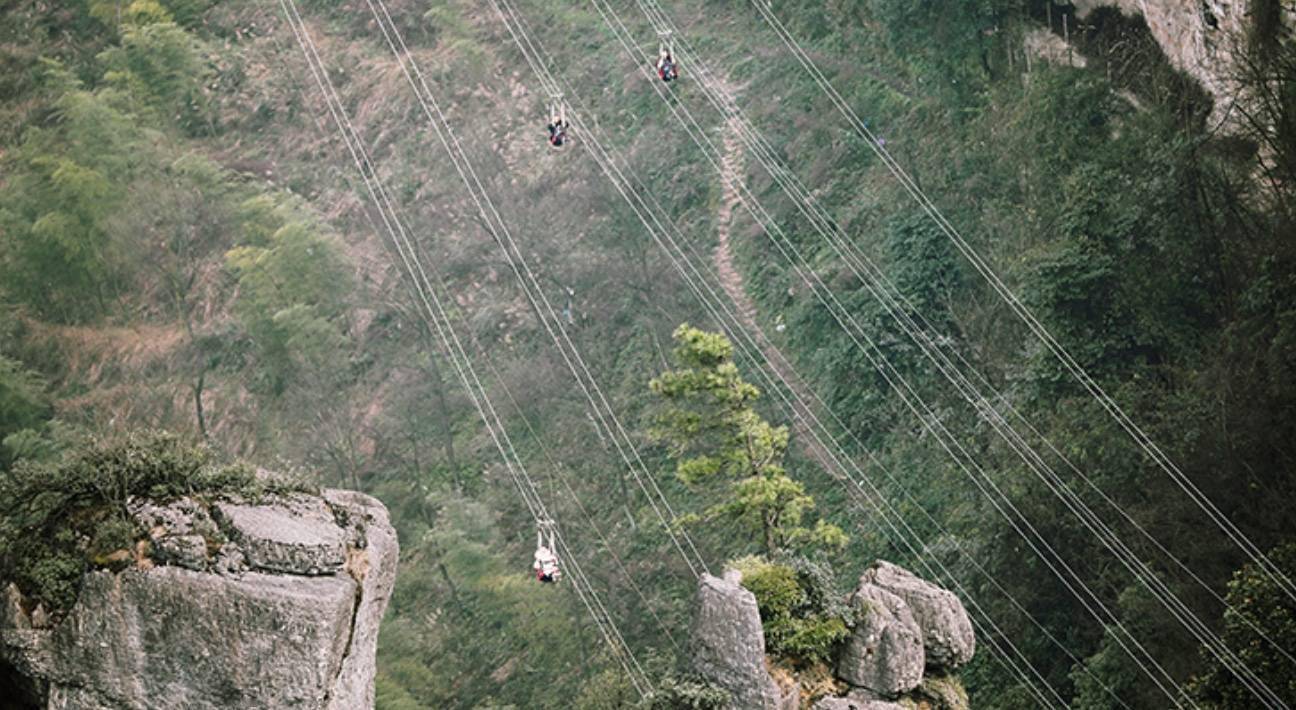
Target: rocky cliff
{"x":909,"y":638}
{"x":1203,"y":38}
{"x":727,"y":645}
{"x":229,"y":603}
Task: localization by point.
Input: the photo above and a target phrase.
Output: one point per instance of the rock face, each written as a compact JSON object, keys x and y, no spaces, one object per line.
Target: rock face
{"x":727,"y":645}
{"x":908,"y":634}
{"x":269,"y":605}
{"x":307,"y":541}
{"x":885,"y":650}
{"x":1200,"y":37}
{"x":947,"y":635}
{"x":855,"y":703}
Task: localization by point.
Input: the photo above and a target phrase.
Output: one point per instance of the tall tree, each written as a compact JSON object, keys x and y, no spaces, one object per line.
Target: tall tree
{"x":714,"y":432}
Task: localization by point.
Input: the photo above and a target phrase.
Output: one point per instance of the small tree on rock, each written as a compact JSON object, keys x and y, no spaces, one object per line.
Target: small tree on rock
{"x":714,"y":433}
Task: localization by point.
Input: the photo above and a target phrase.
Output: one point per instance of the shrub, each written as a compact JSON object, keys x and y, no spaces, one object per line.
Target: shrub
{"x":60,"y":518}
{"x":802,"y":618}
{"x":685,"y":693}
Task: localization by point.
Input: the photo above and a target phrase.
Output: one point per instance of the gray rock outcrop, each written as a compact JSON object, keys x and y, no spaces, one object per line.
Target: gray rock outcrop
{"x":267,"y":605}
{"x":947,"y":636}
{"x":1202,"y":38}
{"x":855,"y":703}
{"x":307,"y":541}
{"x":727,"y":645}
{"x":906,"y":636}
{"x":885,"y":649}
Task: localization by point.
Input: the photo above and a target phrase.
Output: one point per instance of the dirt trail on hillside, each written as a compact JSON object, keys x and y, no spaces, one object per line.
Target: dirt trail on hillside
{"x":733,"y":170}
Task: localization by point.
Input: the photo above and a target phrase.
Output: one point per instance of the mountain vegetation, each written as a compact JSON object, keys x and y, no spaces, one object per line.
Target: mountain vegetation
{"x":186,"y":245}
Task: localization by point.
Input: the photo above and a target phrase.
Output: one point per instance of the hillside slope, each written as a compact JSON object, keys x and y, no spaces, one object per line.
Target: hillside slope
{"x":188,"y":245}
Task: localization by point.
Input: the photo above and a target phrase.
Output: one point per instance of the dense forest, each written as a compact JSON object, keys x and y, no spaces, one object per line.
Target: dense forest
{"x":188,"y":243}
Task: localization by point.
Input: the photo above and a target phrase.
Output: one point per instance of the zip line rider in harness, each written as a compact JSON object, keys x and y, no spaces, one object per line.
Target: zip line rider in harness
{"x":546,"y":562}
{"x":666,"y":65}
{"x":558,"y":123}
{"x":666,"y":68}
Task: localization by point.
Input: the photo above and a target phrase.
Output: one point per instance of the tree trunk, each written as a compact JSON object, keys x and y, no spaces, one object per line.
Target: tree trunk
{"x":445,"y":574}
{"x":447,"y":429}
{"x":198,"y":404}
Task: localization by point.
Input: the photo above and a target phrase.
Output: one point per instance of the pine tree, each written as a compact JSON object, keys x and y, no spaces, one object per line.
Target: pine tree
{"x":714,"y":432}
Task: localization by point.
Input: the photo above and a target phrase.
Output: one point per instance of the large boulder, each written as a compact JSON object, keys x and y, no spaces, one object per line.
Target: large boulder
{"x":298,"y":536}
{"x":857,"y":700}
{"x":727,"y":645}
{"x":885,"y":650}
{"x":194,"y":627}
{"x":947,"y":635}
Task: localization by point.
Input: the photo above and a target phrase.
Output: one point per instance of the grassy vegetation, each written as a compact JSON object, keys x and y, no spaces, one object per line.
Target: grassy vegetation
{"x":685,"y":693}
{"x":802,"y":611}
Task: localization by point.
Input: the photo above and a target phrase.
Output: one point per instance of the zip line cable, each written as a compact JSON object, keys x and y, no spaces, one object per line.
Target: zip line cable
{"x":400,"y":240}
{"x":510,"y":248}
{"x":529,"y":283}
{"x":540,"y":294}
{"x":1159,"y":590}
{"x":990,"y":639}
{"x":827,"y":227}
{"x":549,"y":83}
{"x":517,"y":261}
{"x":558,"y":471}
{"x":1084,"y":594}
{"x":1145,"y":442}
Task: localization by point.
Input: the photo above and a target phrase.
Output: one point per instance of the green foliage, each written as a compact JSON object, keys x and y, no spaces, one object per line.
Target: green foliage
{"x":62,"y":258}
{"x":119,"y":14}
{"x":24,"y":405}
{"x":291,"y":291}
{"x":44,"y":442}
{"x":803,"y":619}
{"x":80,"y":177}
{"x":1255,"y":602}
{"x":1110,"y":670}
{"x":187,"y":12}
{"x":714,"y":431}
{"x":60,"y":518}
{"x":468,"y":625}
{"x":161,"y":67}
{"x":924,"y":265}
{"x":609,"y":690}
{"x":114,"y":13}
{"x":391,"y":695}
{"x":685,"y":693}
{"x":1155,"y":247}
{"x":949,"y":43}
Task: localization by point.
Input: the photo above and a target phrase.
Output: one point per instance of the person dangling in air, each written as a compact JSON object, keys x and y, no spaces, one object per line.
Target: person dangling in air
{"x":666,"y":68}
{"x":666,"y":65}
{"x":557,"y":124}
{"x":546,"y":561}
